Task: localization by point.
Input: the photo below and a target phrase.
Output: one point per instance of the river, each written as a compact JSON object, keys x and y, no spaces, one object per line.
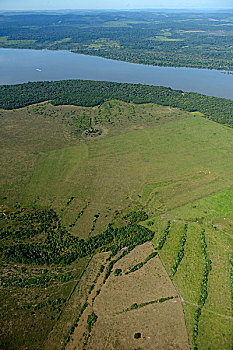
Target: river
{"x":22,"y":65}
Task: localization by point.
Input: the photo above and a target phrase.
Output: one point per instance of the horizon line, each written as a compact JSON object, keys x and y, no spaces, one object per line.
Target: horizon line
{"x":120,"y":9}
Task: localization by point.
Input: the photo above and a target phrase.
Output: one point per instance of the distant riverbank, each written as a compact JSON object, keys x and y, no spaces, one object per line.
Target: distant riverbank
{"x":23,"y":65}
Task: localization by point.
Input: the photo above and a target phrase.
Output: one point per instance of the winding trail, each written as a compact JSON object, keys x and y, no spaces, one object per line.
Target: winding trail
{"x":210,"y":311}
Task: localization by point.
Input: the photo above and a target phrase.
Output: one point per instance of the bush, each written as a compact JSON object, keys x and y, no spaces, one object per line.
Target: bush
{"x":118,"y":272}
{"x":137,"y":335}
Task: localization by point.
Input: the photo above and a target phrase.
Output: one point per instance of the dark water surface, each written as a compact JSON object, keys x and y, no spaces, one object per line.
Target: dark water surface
{"x":20,"y":66}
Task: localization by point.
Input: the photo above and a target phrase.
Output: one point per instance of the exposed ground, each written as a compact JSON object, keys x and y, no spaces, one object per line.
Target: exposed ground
{"x":62,"y":328}
{"x":116,"y":326}
{"x":173,"y":164}
{"x":28,"y":313}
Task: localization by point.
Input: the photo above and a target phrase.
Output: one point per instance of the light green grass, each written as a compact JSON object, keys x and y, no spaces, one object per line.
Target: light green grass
{"x":65,"y":40}
{"x":212,"y":206}
{"x":122,"y":23}
{"x":189,"y":312}
{"x":217,"y":310}
{"x":189,"y":274}
{"x":114,"y":172}
{"x":4,"y":39}
{"x":171,"y":247}
{"x":43,"y":128}
{"x":165,"y":38}
{"x":197,"y":113}
{"x":215,"y":332}
{"x":174,"y":165}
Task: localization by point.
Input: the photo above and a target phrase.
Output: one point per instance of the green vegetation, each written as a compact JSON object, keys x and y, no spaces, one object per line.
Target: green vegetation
{"x":91,"y":321}
{"x":118,"y":272}
{"x":194,"y":271}
{"x":162,"y":240}
{"x":34,"y":305}
{"x":136,"y":216}
{"x":79,"y":215}
{"x":54,"y":304}
{"x":135,"y":268}
{"x":137,"y":335}
{"x":136,"y":306}
{"x":59,"y":247}
{"x":141,"y":264}
{"x":181,"y":251}
{"x":25,"y":223}
{"x":203,"y":292}
{"x":190,"y":39}
{"x":231,"y":277}
{"x":92,"y":93}
{"x":67,"y":338}
{"x":156,"y":173}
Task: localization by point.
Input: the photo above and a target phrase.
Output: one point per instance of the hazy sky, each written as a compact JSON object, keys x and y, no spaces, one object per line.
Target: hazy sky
{"x":110,"y":4}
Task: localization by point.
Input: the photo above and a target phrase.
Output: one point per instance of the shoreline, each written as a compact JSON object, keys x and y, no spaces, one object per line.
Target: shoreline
{"x":119,"y":60}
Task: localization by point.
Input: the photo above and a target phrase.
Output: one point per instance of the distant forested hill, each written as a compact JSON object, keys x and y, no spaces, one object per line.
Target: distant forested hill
{"x":190,"y":39}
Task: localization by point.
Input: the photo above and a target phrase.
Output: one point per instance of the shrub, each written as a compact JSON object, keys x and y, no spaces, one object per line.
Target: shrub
{"x":118,"y":272}
{"x":137,"y":335}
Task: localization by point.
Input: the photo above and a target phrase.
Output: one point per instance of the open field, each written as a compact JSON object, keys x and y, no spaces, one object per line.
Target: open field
{"x":216,"y":317}
{"x":171,"y":168}
{"x":118,"y":320}
{"x":30,"y":310}
{"x":52,"y":130}
{"x":57,"y":337}
{"x":134,"y":169}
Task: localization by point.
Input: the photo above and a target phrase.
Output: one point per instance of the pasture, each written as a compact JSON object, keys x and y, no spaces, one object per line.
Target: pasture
{"x":175,"y":166}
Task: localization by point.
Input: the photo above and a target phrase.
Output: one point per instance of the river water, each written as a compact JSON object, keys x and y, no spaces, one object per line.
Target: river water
{"x":21,"y":65}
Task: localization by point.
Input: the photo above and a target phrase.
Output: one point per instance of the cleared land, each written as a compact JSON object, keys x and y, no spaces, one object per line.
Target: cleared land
{"x":58,"y":335}
{"x":31,"y":304}
{"x":172,"y":164}
{"x":74,"y":168}
{"x":118,"y":320}
{"x":159,"y":168}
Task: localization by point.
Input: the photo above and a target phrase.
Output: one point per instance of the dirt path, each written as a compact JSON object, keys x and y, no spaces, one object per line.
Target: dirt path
{"x":210,"y":311}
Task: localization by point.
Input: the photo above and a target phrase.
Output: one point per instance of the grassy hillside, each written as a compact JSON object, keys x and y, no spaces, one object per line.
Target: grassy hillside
{"x":162,"y":168}
{"x":90,"y":93}
{"x":159,"y":168}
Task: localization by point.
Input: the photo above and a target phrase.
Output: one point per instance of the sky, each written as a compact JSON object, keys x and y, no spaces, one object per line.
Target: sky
{"x":112,"y":4}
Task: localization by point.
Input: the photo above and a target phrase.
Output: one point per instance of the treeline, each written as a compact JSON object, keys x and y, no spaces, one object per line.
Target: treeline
{"x":180,"y":254}
{"x":163,"y":238}
{"x":59,"y":246}
{"x":91,"y":93}
{"x":203,"y":290}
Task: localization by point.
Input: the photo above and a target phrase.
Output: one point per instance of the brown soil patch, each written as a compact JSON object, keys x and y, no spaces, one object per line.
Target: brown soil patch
{"x":71,"y":311}
{"x":161,"y":325}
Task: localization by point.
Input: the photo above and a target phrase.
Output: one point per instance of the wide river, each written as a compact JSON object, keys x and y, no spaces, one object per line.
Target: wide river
{"x":20,"y":66}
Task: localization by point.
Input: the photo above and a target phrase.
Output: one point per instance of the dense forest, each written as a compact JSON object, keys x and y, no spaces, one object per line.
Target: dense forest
{"x":34,"y":236}
{"x":91,"y":93}
{"x":190,"y":39}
